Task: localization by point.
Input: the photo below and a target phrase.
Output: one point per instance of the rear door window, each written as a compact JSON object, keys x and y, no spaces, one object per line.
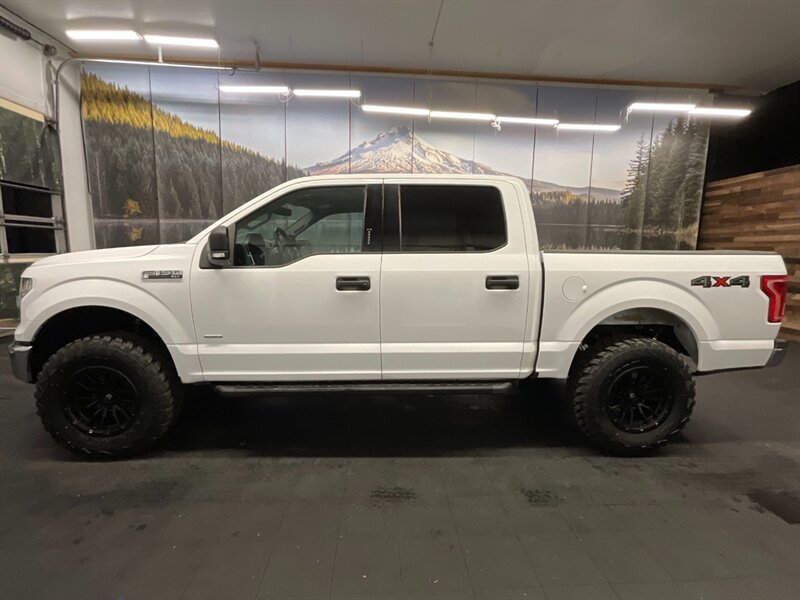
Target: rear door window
{"x":451,"y":218}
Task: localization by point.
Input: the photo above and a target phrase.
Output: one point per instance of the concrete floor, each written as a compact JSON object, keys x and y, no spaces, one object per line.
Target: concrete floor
{"x":410,"y":497}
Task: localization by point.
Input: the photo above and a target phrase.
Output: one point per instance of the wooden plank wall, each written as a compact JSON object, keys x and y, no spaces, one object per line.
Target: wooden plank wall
{"x":760,"y":211}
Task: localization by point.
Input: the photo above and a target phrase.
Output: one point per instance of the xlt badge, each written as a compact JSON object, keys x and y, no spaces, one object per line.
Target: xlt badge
{"x":167,"y":274}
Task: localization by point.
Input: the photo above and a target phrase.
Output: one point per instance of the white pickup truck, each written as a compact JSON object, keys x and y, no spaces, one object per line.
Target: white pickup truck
{"x":386,"y":283}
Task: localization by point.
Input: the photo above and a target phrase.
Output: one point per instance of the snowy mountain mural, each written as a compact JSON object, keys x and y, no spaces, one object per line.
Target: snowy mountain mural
{"x":399,"y":150}
{"x":167,"y":154}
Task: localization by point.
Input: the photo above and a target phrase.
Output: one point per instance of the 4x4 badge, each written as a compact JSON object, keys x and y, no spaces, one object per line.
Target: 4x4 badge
{"x":707,"y":281}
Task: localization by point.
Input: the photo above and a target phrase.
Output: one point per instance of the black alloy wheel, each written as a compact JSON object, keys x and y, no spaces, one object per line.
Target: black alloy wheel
{"x":108,"y":395}
{"x":101,"y":401}
{"x":639,"y":397}
{"x":631,"y":395}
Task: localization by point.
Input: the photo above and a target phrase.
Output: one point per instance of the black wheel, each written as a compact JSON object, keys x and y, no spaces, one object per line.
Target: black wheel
{"x":631,"y":395}
{"x":109,"y":395}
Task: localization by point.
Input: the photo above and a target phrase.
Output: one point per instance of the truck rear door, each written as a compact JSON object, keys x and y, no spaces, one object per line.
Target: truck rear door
{"x":455,"y":280}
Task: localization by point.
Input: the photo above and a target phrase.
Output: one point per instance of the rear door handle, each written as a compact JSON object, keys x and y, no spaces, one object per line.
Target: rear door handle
{"x":502,"y":282}
{"x":352,"y":284}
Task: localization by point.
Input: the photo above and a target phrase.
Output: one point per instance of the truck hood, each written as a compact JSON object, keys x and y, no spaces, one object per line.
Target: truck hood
{"x":95,"y":256}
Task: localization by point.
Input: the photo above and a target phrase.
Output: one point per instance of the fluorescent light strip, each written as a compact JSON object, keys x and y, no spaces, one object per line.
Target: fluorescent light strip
{"x":728,"y":113}
{"x":328,"y":93}
{"x":254,"y":89}
{"x":395,"y":110}
{"x":587,"y":127}
{"x":171,"y":40}
{"x":660,"y":107}
{"x":527,"y":120}
{"x":103,"y":34}
{"x":444,"y":114}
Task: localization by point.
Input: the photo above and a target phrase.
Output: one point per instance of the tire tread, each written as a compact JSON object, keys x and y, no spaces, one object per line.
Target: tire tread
{"x":586,"y":373}
{"x":165,"y":406}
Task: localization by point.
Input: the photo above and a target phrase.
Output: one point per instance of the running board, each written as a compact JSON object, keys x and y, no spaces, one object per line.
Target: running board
{"x":460,"y":387}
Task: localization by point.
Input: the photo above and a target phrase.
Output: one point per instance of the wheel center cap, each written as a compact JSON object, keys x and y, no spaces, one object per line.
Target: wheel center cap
{"x":109,"y":397}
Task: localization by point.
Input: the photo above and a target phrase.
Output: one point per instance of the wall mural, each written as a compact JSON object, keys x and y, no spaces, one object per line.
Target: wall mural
{"x":29,"y":155}
{"x":168,"y":152}
{"x":29,"y":151}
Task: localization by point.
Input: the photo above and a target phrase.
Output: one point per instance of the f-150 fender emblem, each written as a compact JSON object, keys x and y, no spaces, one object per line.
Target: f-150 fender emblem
{"x":708,"y":281}
{"x":166,"y":274}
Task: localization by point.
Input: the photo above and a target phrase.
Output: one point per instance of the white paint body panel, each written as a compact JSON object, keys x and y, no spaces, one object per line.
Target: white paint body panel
{"x":289,"y":323}
{"x":438,"y":320}
{"x":112,"y":278}
{"x":729,"y":324}
{"x":425,"y":317}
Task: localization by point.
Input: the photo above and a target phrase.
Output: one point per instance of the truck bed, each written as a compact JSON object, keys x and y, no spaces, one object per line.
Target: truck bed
{"x":715,"y":295}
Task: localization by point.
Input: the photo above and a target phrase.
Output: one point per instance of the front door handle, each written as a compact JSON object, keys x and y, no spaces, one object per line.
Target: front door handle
{"x":502,"y":282}
{"x":352,"y":284}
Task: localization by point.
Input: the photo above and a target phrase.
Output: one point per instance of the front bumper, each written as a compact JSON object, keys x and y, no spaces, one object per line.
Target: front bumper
{"x":20,"y":355}
{"x":778,"y":353}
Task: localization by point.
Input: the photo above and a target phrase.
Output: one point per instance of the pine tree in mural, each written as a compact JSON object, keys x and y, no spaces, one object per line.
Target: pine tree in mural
{"x":633,"y":195}
{"x":665,"y":183}
{"x":694,"y":178}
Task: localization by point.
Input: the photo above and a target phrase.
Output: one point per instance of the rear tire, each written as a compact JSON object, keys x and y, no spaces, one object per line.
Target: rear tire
{"x":108,"y":395}
{"x":631,"y":395}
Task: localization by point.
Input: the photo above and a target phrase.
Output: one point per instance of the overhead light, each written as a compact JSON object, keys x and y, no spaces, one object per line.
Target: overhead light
{"x":103,"y":34}
{"x":328,"y":93}
{"x":171,"y":40}
{"x":527,"y":120}
{"x":729,"y":113}
{"x":587,"y":127}
{"x":661,"y":107}
{"x":444,"y":114}
{"x":395,"y":110}
{"x":254,"y":89}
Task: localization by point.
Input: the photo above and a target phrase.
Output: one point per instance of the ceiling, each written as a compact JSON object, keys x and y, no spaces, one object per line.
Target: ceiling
{"x":720,"y":43}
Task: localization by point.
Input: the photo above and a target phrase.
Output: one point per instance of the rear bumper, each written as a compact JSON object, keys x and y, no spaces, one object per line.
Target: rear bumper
{"x":20,"y":355}
{"x":778,"y":353}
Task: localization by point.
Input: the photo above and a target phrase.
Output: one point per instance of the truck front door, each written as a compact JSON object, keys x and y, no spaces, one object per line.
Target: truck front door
{"x":300,"y":300}
{"x":454,"y":281}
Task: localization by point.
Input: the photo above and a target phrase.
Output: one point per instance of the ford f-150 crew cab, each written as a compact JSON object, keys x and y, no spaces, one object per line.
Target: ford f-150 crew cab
{"x":380,"y":283}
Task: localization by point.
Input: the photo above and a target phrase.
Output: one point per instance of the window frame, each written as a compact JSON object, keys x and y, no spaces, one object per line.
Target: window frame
{"x":371,"y":232}
{"x":56,"y":224}
{"x":393,"y":219}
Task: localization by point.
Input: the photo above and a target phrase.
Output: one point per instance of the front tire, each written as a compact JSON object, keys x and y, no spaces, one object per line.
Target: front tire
{"x":107,"y":396}
{"x":631,"y":395}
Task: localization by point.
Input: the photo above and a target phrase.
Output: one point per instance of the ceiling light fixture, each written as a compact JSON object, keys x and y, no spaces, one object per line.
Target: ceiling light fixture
{"x":328,"y":93}
{"x":172,"y":40}
{"x":587,"y":127}
{"x":254,"y":89}
{"x":671,"y":107}
{"x":103,"y":34}
{"x":727,"y":113}
{"x":468,"y":116}
{"x":527,"y":120}
{"x":395,"y":110}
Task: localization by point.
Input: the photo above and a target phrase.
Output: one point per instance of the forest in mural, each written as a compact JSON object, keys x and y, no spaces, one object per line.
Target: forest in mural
{"x":167,"y":154}
{"x":28,"y":151}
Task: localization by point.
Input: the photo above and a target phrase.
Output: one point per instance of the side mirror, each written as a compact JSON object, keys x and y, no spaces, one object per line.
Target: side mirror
{"x":219,"y":248}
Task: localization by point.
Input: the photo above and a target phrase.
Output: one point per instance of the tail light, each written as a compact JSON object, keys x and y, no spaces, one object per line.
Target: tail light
{"x":774,"y":286}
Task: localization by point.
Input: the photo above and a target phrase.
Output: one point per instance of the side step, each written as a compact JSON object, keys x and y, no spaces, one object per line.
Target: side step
{"x":456,"y":387}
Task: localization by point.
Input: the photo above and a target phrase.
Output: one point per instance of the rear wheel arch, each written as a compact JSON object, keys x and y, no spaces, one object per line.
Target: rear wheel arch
{"x":660,"y":324}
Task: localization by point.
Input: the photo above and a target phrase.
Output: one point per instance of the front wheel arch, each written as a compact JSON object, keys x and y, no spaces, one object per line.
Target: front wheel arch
{"x":83,"y":321}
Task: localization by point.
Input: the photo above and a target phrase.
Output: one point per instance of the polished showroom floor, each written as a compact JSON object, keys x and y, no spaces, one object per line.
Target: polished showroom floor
{"x":410,"y":497}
